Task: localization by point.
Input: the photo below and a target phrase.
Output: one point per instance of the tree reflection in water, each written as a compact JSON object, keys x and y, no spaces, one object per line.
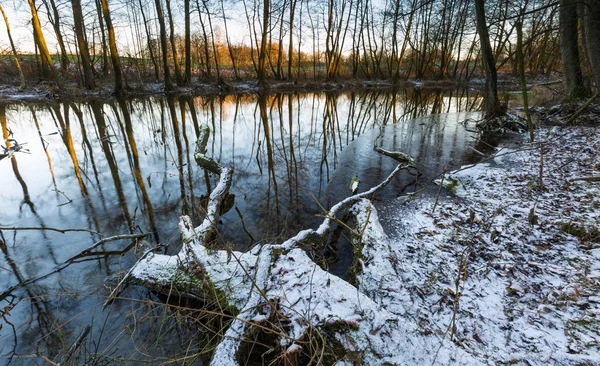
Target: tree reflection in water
{"x":126,"y":166}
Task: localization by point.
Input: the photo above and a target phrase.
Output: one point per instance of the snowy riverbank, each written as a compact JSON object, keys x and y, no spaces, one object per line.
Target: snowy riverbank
{"x":493,"y":268}
{"x":506,"y":271}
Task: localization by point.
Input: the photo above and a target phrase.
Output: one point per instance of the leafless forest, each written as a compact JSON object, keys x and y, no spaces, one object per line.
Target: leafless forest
{"x":182,"y":42}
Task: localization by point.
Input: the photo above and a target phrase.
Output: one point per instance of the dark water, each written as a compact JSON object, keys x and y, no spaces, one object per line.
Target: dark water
{"x":123,"y":167}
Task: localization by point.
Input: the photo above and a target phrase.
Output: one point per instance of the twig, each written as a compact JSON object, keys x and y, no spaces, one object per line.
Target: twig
{"x":64,"y":195}
{"x":117,"y":290}
{"x":476,"y":151}
{"x":62,"y":231}
{"x":244,"y":224}
{"x":68,"y":262}
{"x":49,"y":361}
{"x":582,"y":108}
{"x":462,"y":269}
{"x":105,"y":240}
{"x":439,"y":189}
{"x":82,"y":336}
{"x":593,"y":178}
{"x":541,"y":166}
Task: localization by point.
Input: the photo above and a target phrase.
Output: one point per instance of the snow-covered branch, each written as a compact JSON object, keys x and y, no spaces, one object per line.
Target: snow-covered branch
{"x":280,"y":281}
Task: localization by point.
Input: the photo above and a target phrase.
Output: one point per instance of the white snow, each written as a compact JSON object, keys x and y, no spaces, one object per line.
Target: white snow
{"x":524,"y":290}
{"x":487,"y":278}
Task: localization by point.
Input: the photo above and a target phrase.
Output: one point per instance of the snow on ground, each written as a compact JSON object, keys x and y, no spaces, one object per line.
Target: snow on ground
{"x":489,"y":277}
{"x":491,"y":268}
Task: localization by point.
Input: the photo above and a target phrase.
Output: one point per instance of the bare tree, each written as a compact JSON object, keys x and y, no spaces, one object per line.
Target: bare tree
{"x":590,"y":16}
{"x":163,"y":45}
{"x":338,"y":21}
{"x":114,"y":53}
{"x":188,"y":42}
{"x":13,"y":48}
{"x":105,"y":62}
{"x":84,"y":53}
{"x":491,"y":103}
{"x":291,"y":38}
{"x":262,"y":56}
{"x":54,"y":18}
{"x":48,"y":70}
{"x":149,"y":40}
{"x":178,"y":75}
{"x":573,"y":77}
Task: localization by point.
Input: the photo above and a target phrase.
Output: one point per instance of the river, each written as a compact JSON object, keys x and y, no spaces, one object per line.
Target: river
{"x":127,"y":167}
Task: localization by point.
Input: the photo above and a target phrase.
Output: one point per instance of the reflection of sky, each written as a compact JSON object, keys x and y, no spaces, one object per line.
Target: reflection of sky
{"x":237,"y":139}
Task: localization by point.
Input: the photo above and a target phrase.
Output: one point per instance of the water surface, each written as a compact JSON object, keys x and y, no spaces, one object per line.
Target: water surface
{"x":126,"y":166}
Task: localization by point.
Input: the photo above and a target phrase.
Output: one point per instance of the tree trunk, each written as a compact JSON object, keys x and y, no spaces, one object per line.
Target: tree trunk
{"x":178,"y":76}
{"x":591,"y":24}
{"x":86,"y":61}
{"x":188,"y":43}
{"x":278,"y":283}
{"x":569,"y":50}
{"x":229,"y":46}
{"x":213,"y":42}
{"x":112,"y":43}
{"x":13,"y":48}
{"x":205,"y":42}
{"x":521,"y":69}
{"x":163,"y":45}
{"x":55,"y":21}
{"x":48,"y":70}
{"x":491,"y":103}
{"x":261,"y":72}
{"x":150,"y":48}
{"x":291,"y":40}
{"x":103,"y":38}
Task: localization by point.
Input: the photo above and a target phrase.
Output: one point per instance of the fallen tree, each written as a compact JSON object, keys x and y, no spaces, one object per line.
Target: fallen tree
{"x":279,"y":289}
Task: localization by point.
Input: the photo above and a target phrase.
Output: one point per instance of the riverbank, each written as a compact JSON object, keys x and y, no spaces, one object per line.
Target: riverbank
{"x":44,"y":92}
{"x":480,"y":278}
{"x":509,"y":267}
{"x":74,"y":92}
{"x":506,"y":270}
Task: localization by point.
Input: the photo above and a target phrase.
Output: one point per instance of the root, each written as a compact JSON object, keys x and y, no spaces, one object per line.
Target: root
{"x":502,"y":123}
{"x":308,"y":299}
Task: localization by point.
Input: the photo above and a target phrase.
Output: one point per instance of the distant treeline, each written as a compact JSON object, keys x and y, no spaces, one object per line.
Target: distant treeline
{"x":183,"y":41}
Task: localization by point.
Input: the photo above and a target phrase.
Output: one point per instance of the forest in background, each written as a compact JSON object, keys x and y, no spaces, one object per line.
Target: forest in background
{"x":180,"y":42}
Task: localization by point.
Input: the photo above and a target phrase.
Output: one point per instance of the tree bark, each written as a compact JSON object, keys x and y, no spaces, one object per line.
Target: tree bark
{"x":261,"y":71}
{"x":48,"y":70}
{"x":163,"y":45}
{"x":279,"y":281}
{"x":569,"y":50}
{"x":86,"y":62}
{"x":150,"y":47}
{"x":55,"y":21}
{"x":13,"y":48}
{"x":188,"y":42}
{"x":178,"y":76}
{"x":105,"y":61}
{"x":492,"y":105}
{"x":591,"y":24}
{"x":112,"y":43}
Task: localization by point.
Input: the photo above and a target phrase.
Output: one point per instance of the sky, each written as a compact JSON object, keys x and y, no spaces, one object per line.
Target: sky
{"x":19,"y":15}
{"x":20,"y":30}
